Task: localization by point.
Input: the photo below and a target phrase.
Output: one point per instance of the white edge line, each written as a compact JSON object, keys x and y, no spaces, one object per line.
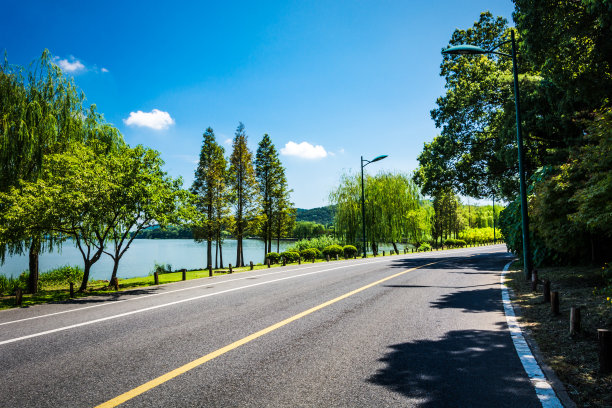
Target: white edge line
{"x":544,"y":391}
{"x":110,"y":303}
{"x":72,"y":326}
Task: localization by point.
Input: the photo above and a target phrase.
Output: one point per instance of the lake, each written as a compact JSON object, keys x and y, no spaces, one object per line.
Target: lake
{"x":140,"y":259}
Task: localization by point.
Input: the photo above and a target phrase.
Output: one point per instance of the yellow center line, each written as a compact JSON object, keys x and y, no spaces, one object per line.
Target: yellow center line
{"x":195,"y":363}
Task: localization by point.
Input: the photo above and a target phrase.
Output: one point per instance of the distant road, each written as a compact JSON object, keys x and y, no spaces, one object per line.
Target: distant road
{"x":416,"y":330}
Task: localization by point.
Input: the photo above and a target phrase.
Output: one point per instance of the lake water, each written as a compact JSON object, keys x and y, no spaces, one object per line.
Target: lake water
{"x":140,"y":259}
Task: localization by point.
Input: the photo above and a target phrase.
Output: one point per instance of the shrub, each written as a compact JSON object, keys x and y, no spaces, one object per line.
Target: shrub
{"x":274,"y":257}
{"x":319,"y":243}
{"x":333,"y":250}
{"x":61,"y":276}
{"x":424,"y":247}
{"x":161,"y":268}
{"x":310,"y":253}
{"x":349,"y":251}
{"x":8,"y":285}
{"x":290,"y":256}
{"x":454,"y":243}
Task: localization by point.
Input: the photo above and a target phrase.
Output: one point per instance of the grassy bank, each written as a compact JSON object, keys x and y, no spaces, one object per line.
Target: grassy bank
{"x":574,"y":359}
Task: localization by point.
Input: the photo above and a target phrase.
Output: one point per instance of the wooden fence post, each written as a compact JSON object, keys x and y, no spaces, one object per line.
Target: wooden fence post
{"x":268,"y":262}
{"x":554,"y":302}
{"x":71,"y":289}
{"x":299,"y":260}
{"x":284,"y":261}
{"x":546,"y":291}
{"x":336,"y":257}
{"x":230,"y":268}
{"x":574,"y":321}
{"x":327,"y":257}
{"x":604,"y":338}
{"x":156,"y":278}
{"x":184,"y":274}
{"x":534,"y":280}
{"x":251,"y":265}
{"x":18,"y":296}
{"x":210,"y":272}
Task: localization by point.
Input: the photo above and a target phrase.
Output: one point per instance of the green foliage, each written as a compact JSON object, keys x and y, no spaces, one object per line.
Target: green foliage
{"x":320,"y":243}
{"x":319,"y":215}
{"x":394,"y":210}
{"x":333,"y":250}
{"x":349,"y":251}
{"x":8,"y":285}
{"x":424,"y":247}
{"x":161,"y":268}
{"x":210,"y":193}
{"x":278,"y":214}
{"x":244,"y":192}
{"x":61,"y":276}
{"x":480,"y":235}
{"x":290,"y":256}
{"x":310,"y":253}
{"x":455,"y":243}
{"x":274,"y":257}
{"x":308,"y":229}
{"x":170,"y":232}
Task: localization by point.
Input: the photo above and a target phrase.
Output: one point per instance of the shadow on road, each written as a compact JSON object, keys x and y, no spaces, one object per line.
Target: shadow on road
{"x":466,"y":368}
{"x":477,"y":264}
{"x":478,"y":300}
{"x":111,"y":297}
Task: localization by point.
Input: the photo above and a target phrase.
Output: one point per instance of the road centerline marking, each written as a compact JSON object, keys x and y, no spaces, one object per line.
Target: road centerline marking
{"x":210,"y":356}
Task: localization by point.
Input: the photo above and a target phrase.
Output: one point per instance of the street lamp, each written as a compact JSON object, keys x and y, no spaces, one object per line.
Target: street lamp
{"x":363,"y":197}
{"x":470,"y":50}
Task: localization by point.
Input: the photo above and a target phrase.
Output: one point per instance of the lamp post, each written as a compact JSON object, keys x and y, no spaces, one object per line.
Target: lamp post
{"x":470,"y":50}
{"x":363,"y":197}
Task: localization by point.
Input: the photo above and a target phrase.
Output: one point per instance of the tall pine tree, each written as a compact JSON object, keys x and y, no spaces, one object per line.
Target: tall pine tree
{"x":209,"y":187}
{"x":244,"y":193}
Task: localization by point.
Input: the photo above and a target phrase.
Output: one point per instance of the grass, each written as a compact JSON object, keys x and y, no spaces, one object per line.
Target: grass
{"x":61,"y":292}
{"x":574,"y":359}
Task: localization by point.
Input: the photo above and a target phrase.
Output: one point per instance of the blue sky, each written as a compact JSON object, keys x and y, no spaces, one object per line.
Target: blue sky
{"x":329,"y":81}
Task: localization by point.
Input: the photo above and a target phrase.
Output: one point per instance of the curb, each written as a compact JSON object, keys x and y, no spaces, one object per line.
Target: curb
{"x":549,"y":389}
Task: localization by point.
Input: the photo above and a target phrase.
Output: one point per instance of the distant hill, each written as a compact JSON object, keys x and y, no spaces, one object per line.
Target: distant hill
{"x":320,"y":215}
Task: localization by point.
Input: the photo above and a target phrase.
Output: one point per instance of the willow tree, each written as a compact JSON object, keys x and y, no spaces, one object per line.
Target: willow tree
{"x":393,"y":210}
{"x":243,"y":191}
{"x":209,"y":186}
{"x":41,"y":113}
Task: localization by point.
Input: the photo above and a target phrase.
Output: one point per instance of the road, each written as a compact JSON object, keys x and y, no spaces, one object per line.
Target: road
{"x":412,"y":330}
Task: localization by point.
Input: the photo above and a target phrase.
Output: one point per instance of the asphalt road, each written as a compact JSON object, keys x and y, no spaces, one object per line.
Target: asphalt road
{"x":358,"y":333}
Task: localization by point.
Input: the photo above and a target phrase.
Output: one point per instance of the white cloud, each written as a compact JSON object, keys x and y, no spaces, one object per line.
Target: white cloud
{"x":228,"y":141}
{"x":304,"y":150}
{"x":73,"y":66}
{"x":155,"y":119}
{"x":104,"y":70}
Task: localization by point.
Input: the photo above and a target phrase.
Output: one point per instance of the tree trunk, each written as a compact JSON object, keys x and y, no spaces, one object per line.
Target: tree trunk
{"x":220,"y":253}
{"x":395,"y":248}
{"x":217,"y":253}
{"x":115,"y":267}
{"x":208,"y":252}
{"x":86,"y":270}
{"x":33,"y":265}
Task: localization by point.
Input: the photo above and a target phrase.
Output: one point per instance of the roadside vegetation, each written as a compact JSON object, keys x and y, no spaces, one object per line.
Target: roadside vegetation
{"x":573,"y":358}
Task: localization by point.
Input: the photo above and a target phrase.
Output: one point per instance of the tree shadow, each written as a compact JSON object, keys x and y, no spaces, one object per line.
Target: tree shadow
{"x":465,"y":368}
{"x":477,"y":264}
{"x":478,"y":300}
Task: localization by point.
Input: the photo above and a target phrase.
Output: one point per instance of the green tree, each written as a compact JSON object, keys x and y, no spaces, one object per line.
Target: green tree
{"x":73,"y":196}
{"x":149,"y":197}
{"x":243,"y":191}
{"x":41,"y":112}
{"x":269,"y":173}
{"x":209,"y":186}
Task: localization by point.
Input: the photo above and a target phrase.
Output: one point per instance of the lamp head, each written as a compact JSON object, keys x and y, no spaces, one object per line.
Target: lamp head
{"x":378,"y":158}
{"x":464,"y":50}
